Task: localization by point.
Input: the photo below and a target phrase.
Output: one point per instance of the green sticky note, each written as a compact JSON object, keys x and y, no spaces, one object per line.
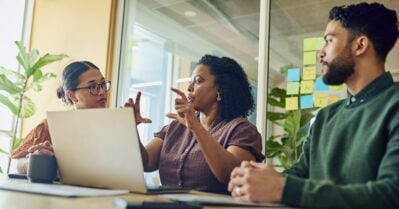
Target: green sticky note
{"x":313,"y":44}
{"x":292,"y":88}
{"x":319,"y":43}
{"x":336,"y":88}
{"x":309,"y":44}
{"x":309,"y":58}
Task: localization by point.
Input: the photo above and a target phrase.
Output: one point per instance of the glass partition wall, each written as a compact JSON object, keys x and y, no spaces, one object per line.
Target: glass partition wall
{"x":296,"y":31}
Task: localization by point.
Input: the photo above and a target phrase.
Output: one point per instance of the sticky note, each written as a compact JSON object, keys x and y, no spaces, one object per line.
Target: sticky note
{"x":306,"y":101}
{"x":292,"y":88}
{"x":293,"y":74}
{"x":319,"y":43}
{"x":320,"y":99}
{"x":313,"y":44}
{"x":291,"y":103}
{"x":309,"y":73}
{"x":320,"y":85}
{"x":336,"y":88}
{"x":333,"y":99}
{"x":309,"y":44}
{"x":309,"y":58}
{"x":307,"y":87}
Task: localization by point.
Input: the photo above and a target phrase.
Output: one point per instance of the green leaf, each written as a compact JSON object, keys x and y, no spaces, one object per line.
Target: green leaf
{"x":12,"y":75}
{"x":2,"y":151}
{"x":272,"y":138}
{"x":28,"y":108}
{"x":273,"y":149}
{"x":23,"y":57}
{"x":37,"y":75}
{"x":8,"y":103}
{"x":45,"y":60}
{"x":33,"y":57}
{"x":291,"y":123}
{"x":37,"y":85}
{"x":273,"y":116}
{"x":9,"y":86}
{"x":276,"y":103}
{"x":278,"y":92}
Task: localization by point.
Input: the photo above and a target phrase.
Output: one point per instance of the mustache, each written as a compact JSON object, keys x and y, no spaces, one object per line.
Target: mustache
{"x":324,"y":62}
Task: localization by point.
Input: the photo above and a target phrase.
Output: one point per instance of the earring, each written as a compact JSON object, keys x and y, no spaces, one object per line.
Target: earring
{"x":218,"y":98}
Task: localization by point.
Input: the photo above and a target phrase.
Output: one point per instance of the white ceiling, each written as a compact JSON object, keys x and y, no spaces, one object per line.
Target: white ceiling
{"x":231,"y":27}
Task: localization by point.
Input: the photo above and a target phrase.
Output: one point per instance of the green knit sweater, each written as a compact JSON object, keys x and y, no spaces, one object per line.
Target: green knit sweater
{"x":351,"y":157}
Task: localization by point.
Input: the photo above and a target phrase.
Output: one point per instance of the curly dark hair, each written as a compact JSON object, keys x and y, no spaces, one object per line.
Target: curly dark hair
{"x":233,"y":86}
{"x":70,"y":78}
{"x":374,"y":20}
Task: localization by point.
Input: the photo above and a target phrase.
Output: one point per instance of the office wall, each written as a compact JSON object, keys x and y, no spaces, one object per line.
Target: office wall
{"x":80,"y":29}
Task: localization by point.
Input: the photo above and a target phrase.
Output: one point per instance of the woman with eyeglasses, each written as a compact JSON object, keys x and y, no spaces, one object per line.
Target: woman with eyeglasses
{"x":83,"y":86}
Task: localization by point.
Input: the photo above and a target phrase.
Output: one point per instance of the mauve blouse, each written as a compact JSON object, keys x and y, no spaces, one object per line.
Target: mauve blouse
{"x":181,"y":162}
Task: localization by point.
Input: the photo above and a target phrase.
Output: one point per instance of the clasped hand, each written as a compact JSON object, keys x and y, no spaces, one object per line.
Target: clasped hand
{"x":256,"y":182}
{"x":44,"y":148}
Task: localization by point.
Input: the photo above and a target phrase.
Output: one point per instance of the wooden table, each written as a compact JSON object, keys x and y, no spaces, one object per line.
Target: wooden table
{"x":20,"y":200}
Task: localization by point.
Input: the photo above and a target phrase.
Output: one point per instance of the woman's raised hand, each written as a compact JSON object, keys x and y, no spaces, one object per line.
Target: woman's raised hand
{"x":136,"y":109}
{"x":185,"y":110}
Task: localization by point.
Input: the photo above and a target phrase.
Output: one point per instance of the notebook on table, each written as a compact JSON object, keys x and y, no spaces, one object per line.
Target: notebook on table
{"x":100,"y":148}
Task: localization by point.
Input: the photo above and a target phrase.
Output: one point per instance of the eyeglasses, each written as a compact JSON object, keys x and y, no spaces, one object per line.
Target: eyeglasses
{"x":95,"y":88}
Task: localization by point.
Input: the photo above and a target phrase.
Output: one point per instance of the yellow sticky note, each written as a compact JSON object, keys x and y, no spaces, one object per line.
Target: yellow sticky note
{"x":309,"y":44}
{"x":320,"y":99}
{"x":307,"y":87}
{"x":292,"y":88}
{"x":333,"y":99}
{"x":309,"y":58}
{"x":291,"y":103}
{"x":336,"y":88}
{"x":313,"y":44}
{"x":309,"y":73}
{"x":319,"y":43}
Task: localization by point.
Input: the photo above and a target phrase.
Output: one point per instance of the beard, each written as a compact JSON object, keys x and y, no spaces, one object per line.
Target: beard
{"x":340,"y":68}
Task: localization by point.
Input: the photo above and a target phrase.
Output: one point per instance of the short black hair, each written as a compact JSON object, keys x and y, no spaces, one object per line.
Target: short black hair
{"x":70,"y":78}
{"x":233,"y":86}
{"x":374,"y":20}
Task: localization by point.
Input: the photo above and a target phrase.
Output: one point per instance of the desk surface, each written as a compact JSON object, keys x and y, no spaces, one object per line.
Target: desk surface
{"x":20,"y":200}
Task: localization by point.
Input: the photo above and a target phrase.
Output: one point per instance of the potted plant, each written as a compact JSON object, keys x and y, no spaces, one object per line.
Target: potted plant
{"x":14,"y":86}
{"x":286,"y":147}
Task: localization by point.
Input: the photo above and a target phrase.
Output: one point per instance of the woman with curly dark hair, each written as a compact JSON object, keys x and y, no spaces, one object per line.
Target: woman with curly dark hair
{"x":210,"y":133}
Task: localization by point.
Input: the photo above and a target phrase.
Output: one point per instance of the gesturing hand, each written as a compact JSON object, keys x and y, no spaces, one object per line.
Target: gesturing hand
{"x":136,"y":109}
{"x":185,"y":110}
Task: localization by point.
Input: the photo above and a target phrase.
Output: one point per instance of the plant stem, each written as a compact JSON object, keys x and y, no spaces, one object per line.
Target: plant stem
{"x":10,"y":150}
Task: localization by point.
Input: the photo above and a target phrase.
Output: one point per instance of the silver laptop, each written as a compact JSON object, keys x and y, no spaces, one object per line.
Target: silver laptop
{"x":99,"y":148}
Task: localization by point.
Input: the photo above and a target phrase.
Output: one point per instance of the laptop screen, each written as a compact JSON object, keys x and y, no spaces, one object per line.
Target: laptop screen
{"x":97,"y":148}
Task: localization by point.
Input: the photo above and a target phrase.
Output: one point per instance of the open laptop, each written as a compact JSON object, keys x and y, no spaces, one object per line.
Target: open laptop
{"x":100,"y":148}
